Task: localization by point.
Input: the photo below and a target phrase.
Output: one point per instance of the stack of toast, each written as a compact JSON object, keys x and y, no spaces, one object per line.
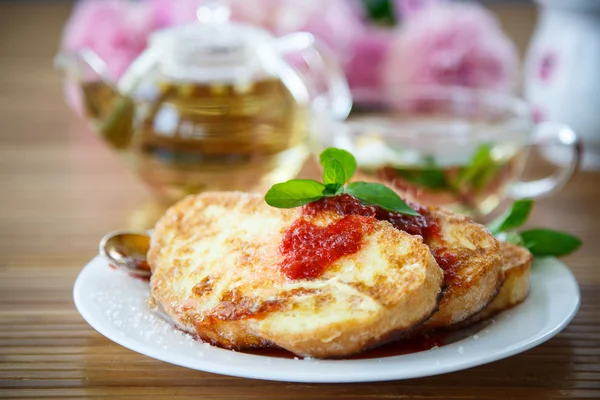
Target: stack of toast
{"x":215,"y":256}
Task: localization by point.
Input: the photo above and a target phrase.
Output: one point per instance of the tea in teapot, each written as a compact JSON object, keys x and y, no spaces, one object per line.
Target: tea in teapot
{"x":212,"y":106}
{"x":195,"y":137}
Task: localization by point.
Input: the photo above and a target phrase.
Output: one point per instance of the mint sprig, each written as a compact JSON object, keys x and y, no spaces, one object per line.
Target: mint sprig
{"x":547,"y":242}
{"x":333,"y":174}
{"x":294,"y":193}
{"x":375,"y":193}
{"x":513,"y":218}
{"x":347,"y":161}
{"x":480,"y":170}
{"x":338,"y":168}
{"x":473,"y":177}
{"x":540,"y":242}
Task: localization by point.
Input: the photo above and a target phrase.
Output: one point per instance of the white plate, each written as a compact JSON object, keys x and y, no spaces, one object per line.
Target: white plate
{"x":114,"y":304}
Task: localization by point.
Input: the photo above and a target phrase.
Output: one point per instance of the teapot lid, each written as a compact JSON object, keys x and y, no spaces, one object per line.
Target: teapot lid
{"x":214,"y":48}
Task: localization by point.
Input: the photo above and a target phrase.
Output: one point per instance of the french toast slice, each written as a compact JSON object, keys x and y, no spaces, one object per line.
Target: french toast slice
{"x":514,"y":289}
{"x":470,"y":256}
{"x":215,"y":261}
{"x":472,"y":262}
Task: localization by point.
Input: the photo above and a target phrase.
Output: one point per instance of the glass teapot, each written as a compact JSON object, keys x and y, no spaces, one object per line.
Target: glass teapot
{"x":214,"y":105}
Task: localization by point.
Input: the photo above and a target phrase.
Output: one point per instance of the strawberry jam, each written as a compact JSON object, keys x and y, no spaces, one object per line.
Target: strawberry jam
{"x":309,"y":249}
{"x":344,"y":204}
{"x":447,"y":261}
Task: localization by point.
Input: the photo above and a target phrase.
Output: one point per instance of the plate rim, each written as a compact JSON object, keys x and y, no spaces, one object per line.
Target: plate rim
{"x":221,"y":368}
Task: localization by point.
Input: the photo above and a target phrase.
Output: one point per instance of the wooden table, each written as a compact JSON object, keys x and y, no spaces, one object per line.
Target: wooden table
{"x":61,"y":190}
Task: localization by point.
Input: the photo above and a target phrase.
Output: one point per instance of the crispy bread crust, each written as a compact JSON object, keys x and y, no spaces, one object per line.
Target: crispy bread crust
{"x":475,"y":278}
{"x":514,"y":289}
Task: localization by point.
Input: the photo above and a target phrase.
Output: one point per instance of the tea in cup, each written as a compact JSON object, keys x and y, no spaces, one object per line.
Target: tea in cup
{"x":449,"y":146}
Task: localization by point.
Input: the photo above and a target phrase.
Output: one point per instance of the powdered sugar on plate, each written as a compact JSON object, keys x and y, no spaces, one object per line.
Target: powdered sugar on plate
{"x":124,"y":302}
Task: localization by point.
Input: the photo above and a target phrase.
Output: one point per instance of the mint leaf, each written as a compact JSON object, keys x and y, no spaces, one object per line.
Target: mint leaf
{"x":333,"y":173}
{"x":333,"y":189}
{"x":428,"y":177}
{"x":513,"y":218}
{"x":346,"y":159}
{"x":547,"y":242}
{"x":339,"y":166}
{"x":378,"y":194}
{"x":481,"y":169}
{"x":294,"y":193}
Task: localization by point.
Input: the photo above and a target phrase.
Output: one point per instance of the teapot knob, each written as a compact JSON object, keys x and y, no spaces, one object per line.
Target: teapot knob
{"x":214,"y":12}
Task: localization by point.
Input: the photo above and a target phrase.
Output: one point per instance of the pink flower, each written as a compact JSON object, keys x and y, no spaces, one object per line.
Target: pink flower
{"x":116,"y":31}
{"x":174,"y":12}
{"x":338,"y":23}
{"x":452,"y":44}
{"x":409,"y":8}
{"x":364,"y":68}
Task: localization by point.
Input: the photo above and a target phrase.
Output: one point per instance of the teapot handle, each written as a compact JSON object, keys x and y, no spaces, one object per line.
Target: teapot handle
{"x":324,"y":76}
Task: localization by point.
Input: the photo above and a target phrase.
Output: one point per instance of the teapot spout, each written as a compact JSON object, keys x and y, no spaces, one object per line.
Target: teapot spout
{"x":110,"y":113}
{"x":86,"y":72}
{"x":82,"y":66}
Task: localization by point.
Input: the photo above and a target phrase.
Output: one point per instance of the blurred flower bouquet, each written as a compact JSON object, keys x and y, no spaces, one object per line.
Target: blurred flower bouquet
{"x":380,"y":43}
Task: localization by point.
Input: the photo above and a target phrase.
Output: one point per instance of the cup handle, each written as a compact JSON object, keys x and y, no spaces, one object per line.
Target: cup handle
{"x":549,"y":133}
{"x":325,"y":77}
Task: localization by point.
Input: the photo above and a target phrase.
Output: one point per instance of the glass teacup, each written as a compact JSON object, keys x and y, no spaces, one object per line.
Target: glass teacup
{"x":449,"y":146}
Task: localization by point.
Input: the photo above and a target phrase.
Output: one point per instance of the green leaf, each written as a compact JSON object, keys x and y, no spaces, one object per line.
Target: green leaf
{"x":333,"y":189}
{"x":547,"y":242}
{"x":381,"y":12}
{"x":513,"y":218}
{"x":481,"y":169}
{"x":378,"y":194}
{"x":294,"y":193}
{"x":333,"y":173}
{"x":427,"y":177}
{"x":346,"y":159}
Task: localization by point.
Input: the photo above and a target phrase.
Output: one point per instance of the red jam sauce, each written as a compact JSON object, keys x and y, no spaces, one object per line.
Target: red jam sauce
{"x":345,"y":204}
{"x":309,"y":249}
{"x":446,"y":260}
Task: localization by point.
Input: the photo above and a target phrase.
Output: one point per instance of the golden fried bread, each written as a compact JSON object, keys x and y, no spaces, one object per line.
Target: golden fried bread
{"x":472,"y":263}
{"x":514,"y":290}
{"x":216,"y":259}
{"x":470,"y":256}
